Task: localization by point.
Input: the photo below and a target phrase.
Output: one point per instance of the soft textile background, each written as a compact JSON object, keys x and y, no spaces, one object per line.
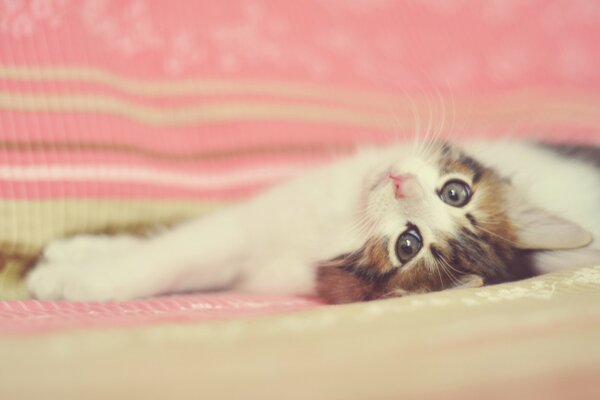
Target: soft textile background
{"x":213,"y":100}
{"x":124,"y":113}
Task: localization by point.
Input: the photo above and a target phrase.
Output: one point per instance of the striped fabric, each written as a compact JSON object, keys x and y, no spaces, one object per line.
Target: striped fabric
{"x":121,"y":114}
{"x":116,"y":115}
{"x":125,"y":114}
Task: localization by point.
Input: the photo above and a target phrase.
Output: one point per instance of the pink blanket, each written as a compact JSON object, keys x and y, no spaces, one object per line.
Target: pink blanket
{"x":122,"y":103}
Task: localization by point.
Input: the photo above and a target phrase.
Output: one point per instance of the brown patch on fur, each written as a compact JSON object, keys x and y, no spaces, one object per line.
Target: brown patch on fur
{"x":337,"y":285}
{"x":140,"y":229}
{"x":483,"y":245}
{"x":375,"y":254}
{"x":481,"y":251}
{"x":368,"y":274}
{"x":15,"y":262}
{"x":456,"y":161}
{"x":419,"y":279}
{"x":347,"y":280}
{"x":357,"y":276}
{"x":14,"y":254}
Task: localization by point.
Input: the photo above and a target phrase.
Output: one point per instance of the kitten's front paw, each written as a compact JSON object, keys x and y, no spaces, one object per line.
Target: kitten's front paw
{"x":84,"y":268}
{"x":45,"y":283}
{"x":56,"y":281}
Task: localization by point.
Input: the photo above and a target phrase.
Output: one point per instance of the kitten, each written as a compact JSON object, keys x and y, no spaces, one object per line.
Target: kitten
{"x":382,"y":223}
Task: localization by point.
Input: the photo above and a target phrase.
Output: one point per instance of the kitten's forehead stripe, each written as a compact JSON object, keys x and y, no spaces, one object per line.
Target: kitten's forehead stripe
{"x":435,"y":252}
{"x":460,"y":162}
{"x":587,"y":153}
{"x":445,"y":149}
{"x":370,"y":261}
{"x":475,"y":167}
{"x":471,"y":219}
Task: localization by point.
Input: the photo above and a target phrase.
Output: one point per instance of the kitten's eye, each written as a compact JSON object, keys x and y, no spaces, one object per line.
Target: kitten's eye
{"x":456,"y":193}
{"x":408,"y":245}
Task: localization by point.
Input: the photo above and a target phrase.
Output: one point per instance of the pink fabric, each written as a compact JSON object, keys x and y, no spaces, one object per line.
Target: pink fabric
{"x":457,"y":49}
{"x":32,"y":316}
{"x":461,"y":47}
{"x":474,"y":45}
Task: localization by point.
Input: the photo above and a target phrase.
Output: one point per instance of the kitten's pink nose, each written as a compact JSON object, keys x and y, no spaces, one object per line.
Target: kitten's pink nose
{"x":400,"y":182}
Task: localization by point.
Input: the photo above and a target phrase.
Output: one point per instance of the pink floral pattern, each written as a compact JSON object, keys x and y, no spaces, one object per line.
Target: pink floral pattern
{"x":469,"y":45}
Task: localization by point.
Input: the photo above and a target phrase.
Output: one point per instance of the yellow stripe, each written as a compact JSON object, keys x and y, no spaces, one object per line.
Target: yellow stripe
{"x":179,"y":157}
{"x":153,"y":88}
{"x":518,"y":101}
{"x":532,"y":110}
{"x":195,"y":114}
{"x":31,"y":223}
{"x":535,"y":107}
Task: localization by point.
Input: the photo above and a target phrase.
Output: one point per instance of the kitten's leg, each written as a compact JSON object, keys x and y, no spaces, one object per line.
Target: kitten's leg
{"x":199,"y":255}
{"x":86,"y":247}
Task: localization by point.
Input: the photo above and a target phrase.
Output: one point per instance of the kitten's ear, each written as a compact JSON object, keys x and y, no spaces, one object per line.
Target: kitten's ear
{"x":540,"y":230}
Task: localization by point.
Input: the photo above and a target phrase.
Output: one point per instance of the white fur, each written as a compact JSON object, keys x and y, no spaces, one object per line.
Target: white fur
{"x":271,"y":243}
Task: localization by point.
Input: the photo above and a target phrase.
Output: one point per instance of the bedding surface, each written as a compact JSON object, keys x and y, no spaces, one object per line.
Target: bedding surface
{"x":532,"y":339}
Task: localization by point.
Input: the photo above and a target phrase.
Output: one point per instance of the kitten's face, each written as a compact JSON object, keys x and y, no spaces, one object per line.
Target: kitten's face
{"x":432,"y":222}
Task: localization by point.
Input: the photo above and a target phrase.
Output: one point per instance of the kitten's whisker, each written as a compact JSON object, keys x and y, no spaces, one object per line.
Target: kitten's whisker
{"x":443,"y":121}
{"x":453,"y":105}
{"x":434,"y":134}
{"x":415,"y":114}
{"x":445,"y":266}
{"x":429,"y":125}
{"x":373,"y":226}
{"x":450,"y":266}
{"x":398,"y":130}
{"x":448,"y":273}
{"x":440,"y":276}
{"x":364,"y":225}
{"x":511,"y":242}
{"x":488,"y":221}
{"x":362,"y":221}
{"x":420,"y":137}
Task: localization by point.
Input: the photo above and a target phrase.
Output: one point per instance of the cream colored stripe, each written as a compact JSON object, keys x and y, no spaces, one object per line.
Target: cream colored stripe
{"x":241,"y":176}
{"x":200,"y":113}
{"x":171,"y":156}
{"x":344,"y":95}
{"x":513,"y":110}
{"x":31,"y":223}
{"x":153,"y":88}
